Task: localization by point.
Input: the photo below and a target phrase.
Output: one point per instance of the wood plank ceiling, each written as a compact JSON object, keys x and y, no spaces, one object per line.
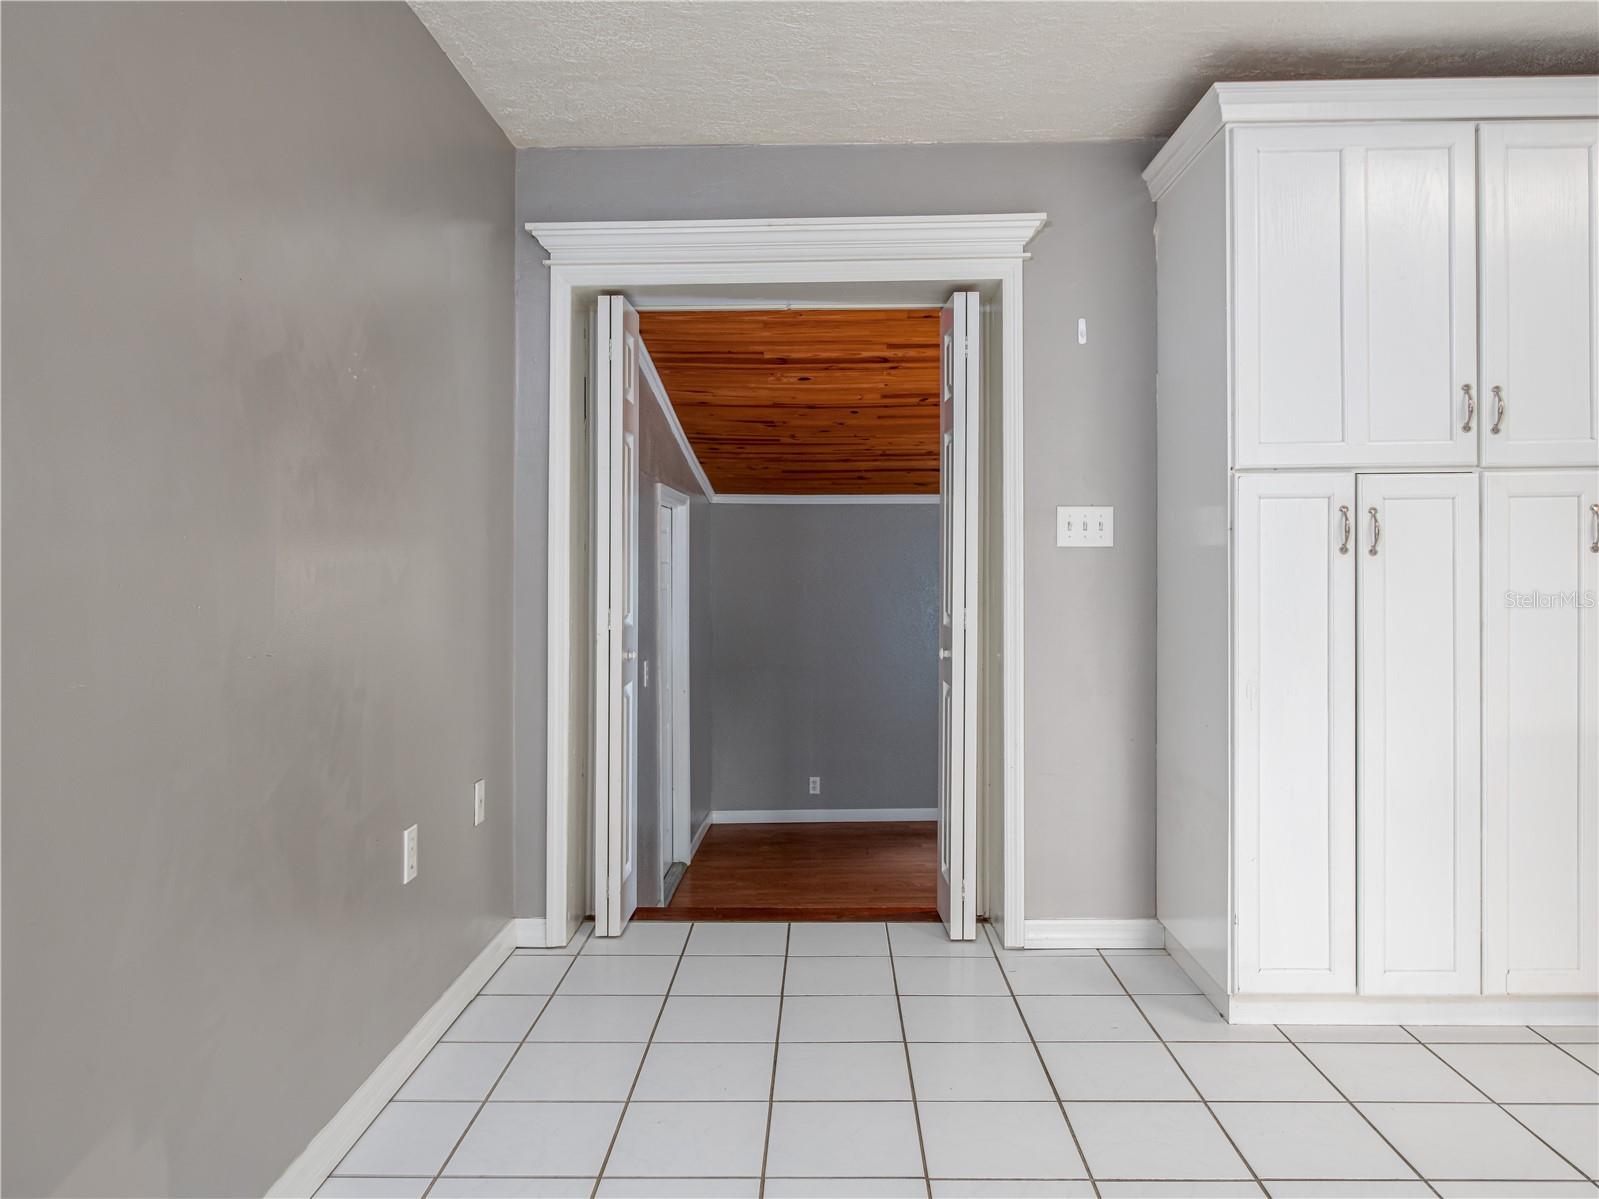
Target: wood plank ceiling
{"x":805,"y":401}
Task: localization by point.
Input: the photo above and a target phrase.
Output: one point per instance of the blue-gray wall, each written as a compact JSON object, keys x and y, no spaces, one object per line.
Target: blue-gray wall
{"x":817,"y":628}
{"x":257,"y":494}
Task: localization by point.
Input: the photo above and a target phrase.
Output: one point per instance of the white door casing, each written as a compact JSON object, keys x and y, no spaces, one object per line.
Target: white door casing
{"x":615,"y":590}
{"x":1417,"y":716}
{"x":672,"y":654}
{"x":1541,"y":732}
{"x":1294,"y":733}
{"x":1355,"y":294}
{"x":959,"y":597}
{"x":1540,"y":350}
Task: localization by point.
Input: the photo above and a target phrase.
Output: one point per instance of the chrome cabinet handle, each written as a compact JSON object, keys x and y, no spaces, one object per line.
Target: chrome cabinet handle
{"x":1593,"y":546}
{"x":1343,"y":512}
{"x":1499,"y":409}
{"x":1471,"y":407}
{"x":1376,"y":532}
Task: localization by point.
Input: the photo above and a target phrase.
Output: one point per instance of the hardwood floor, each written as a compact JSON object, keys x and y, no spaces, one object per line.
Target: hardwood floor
{"x":868,"y":871}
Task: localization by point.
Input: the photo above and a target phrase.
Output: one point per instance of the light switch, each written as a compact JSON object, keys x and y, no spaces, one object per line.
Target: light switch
{"x":1076,"y":528}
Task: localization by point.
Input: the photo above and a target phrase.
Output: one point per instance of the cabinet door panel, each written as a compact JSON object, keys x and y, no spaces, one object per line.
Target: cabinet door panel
{"x":1541,"y":733}
{"x":1354,"y":294}
{"x":1294,"y":747}
{"x":1538,"y":278}
{"x":1419,"y":795}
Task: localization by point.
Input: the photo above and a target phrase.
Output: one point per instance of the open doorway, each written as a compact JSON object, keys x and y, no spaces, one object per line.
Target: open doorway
{"x":594,"y":697}
{"x":809,"y":441}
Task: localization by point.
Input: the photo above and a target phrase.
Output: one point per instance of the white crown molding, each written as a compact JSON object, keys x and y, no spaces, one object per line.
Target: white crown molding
{"x":818,"y":239}
{"x":1502,"y":99}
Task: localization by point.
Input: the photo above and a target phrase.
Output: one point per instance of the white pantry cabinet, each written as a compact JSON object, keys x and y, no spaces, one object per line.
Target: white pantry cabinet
{"x":1355,"y":293}
{"x":1541,"y":731}
{"x":1540,"y":348}
{"x":1376,"y":438}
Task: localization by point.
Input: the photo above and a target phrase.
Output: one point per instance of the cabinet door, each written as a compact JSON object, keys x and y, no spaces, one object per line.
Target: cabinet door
{"x":1539,"y":347}
{"x":1294,"y":734}
{"x":1354,"y":290}
{"x":1419,"y":802}
{"x":1541,"y":733}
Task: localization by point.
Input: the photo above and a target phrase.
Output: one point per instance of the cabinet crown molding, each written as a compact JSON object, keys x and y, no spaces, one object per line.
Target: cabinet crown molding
{"x":1499,"y":99}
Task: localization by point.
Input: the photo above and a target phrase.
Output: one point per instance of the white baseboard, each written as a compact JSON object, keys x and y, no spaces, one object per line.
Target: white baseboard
{"x":821,"y":815}
{"x":1213,"y":990}
{"x":1075,"y":933}
{"x":705,"y":827}
{"x":531,"y":933}
{"x":1411,"y":1009}
{"x":330,"y":1145}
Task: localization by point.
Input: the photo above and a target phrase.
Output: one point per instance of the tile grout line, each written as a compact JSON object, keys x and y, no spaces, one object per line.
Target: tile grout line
{"x":1203,"y":1098}
{"x":1372,"y":1124}
{"x":482,"y":1103}
{"x":1044,"y":1066}
{"x":777,"y":1045}
{"x":1581,"y":1173}
{"x":910,"y":1074}
{"x":616,"y":1132}
{"x":1563,"y":1047}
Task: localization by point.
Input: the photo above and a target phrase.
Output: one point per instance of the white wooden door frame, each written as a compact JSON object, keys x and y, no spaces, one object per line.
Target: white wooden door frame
{"x":587,"y":257}
{"x":674,"y":678}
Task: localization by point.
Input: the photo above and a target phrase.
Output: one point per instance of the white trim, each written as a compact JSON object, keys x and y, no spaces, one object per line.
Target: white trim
{"x":1501,"y":99}
{"x":329,"y":1146}
{"x":652,"y":380}
{"x":1411,"y":1009}
{"x":1213,"y":990}
{"x":591,"y":257}
{"x":705,"y":827}
{"x":820,"y":815}
{"x":1084,"y":933}
{"x":675,"y":654}
{"x":824,"y":499}
{"x":532,"y":932}
{"x":824,"y":239}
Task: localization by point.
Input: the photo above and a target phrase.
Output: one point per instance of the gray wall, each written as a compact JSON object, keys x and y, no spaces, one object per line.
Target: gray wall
{"x":820,"y":624}
{"x":1090,"y":439}
{"x":257,"y":503}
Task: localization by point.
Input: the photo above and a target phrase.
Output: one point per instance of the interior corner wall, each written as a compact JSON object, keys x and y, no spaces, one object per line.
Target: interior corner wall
{"x":1089,"y":438}
{"x":822,"y":629}
{"x":258,"y":412}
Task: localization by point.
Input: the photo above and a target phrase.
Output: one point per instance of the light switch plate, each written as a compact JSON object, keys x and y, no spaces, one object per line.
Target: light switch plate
{"x":1079,"y":527}
{"x":410,"y":854}
{"x":479,"y":801}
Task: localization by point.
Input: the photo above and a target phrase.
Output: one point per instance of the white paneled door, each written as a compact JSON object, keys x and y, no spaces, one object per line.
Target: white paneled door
{"x":1355,"y":291}
{"x":615,"y":716}
{"x":958,"y":614}
{"x":1541,"y":732}
{"x":1294,"y":733}
{"x":1540,"y":350}
{"x":1419,"y":809}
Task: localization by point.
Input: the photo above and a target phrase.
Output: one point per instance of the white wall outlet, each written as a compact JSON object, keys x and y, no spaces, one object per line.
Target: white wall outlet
{"x":479,"y":801}
{"x":1082,"y":331}
{"x":410,"y":854}
{"x":816,"y":784}
{"x":1078,"y":527}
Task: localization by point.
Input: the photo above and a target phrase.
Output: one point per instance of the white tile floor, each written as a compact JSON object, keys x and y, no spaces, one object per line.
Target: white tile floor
{"x":870,"y":1060}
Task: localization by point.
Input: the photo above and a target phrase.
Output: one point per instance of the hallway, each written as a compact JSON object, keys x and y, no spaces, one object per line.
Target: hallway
{"x":867,"y":871}
{"x":884,"y":1060}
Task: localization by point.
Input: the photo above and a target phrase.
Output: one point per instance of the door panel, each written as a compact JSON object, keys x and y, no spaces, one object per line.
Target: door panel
{"x":1419,"y":793}
{"x":1354,"y":293}
{"x":1541,"y":733}
{"x":1294,"y":736}
{"x":958,"y":612}
{"x":1539,"y":344}
{"x":615,"y":504}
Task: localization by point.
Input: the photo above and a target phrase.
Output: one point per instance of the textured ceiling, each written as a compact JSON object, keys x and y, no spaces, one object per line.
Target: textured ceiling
{"x":664,"y":73}
{"x":805,"y":401}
